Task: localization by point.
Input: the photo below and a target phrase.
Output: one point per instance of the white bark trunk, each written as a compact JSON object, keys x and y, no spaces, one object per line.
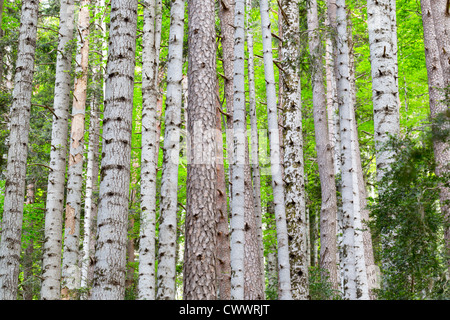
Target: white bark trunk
{"x":383,"y":57}
{"x":277,"y":182}
{"x":51,"y":264}
{"x":293,"y":151}
{"x":354,"y":272}
{"x":10,"y":245}
{"x":71,"y":277}
{"x":169,"y":181}
{"x":149,"y":157}
{"x":238,"y":160}
{"x":110,"y":256}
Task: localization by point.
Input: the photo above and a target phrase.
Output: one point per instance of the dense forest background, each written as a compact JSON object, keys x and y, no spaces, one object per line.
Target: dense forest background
{"x":408,"y":209}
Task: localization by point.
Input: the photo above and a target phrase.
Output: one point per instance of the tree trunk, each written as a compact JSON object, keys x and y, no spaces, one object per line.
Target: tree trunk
{"x":51,"y":264}
{"x":436,"y":82}
{"x":256,"y":175}
{"x":274,"y":140}
{"x":223,"y":264}
{"x":354,"y":271}
{"x":441,"y":19}
{"x":200,"y":238}
{"x":293,"y":150}
{"x":169,"y":181}
{"x":110,"y":256}
{"x":70,"y":267}
{"x":328,"y":214}
{"x":383,"y":58}
{"x":149,"y":158}
{"x":10,"y":245}
{"x":371,"y":268}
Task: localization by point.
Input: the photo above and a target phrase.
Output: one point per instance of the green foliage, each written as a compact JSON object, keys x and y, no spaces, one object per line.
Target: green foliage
{"x":320,"y":286}
{"x":407,"y":221}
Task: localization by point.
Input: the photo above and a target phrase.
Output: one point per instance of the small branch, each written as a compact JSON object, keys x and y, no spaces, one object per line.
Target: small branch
{"x":276,"y":36}
{"x":40,"y":164}
{"x":223,"y":76}
{"x":224,"y":113}
{"x":46,"y":107}
{"x":182,"y":206}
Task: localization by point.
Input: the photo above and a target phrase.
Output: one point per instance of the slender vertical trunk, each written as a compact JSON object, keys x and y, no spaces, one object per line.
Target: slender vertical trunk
{"x":51,"y":264}
{"x":149,"y":159}
{"x":70,"y":267}
{"x":328,"y":214}
{"x":436,"y":82}
{"x":10,"y":245}
{"x":256,"y":175}
{"x":238,"y":207}
{"x":277,"y":182}
{"x":90,"y":207}
{"x":371,"y":268}
{"x":110,"y":260}
{"x":1,"y":49}
{"x":254,"y":285}
{"x":200,"y":238}
{"x":223,"y":264}
{"x":354,"y":272}
{"x":169,"y":181}
{"x":293,"y":150}
{"x":28,"y":254}
{"x":226,"y":16}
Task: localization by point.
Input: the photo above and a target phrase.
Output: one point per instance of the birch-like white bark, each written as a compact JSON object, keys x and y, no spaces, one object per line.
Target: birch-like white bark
{"x":169,"y":180}
{"x":238,"y":160}
{"x":383,"y":58}
{"x":354,"y":271}
{"x":284,"y":282}
{"x":71,"y":277}
{"x":149,"y":158}
{"x":293,"y":150}
{"x":51,"y":262}
{"x":10,"y":245}
{"x":112,"y":221}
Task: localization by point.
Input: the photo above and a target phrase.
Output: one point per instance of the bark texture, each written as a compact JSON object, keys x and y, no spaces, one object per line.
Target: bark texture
{"x":169,"y":183}
{"x":200,"y":238}
{"x":381,"y":23}
{"x":16,"y":169}
{"x":275,"y":157}
{"x":328,"y":214}
{"x":110,"y":256}
{"x":51,"y":263}
{"x":149,"y":159}
{"x":354,"y":271}
{"x":70,"y":268}
{"x":293,"y":150}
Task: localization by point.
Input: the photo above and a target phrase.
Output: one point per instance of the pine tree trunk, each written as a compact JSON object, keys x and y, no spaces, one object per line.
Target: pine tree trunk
{"x":10,"y":245}
{"x":50,"y":289}
{"x":149,"y":159}
{"x":436,"y":82}
{"x":274,"y":140}
{"x":70,"y":267}
{"x":110,"y":259}
{"x":328,"y":214}
{"x":169,"y":181}
{"x":383,"y":58}
{"x":441,"y":19}
{"x":256,"y":174}
{"x":223,"y":264}
{"x":200,"y":238}
{"x":354,"y":272}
